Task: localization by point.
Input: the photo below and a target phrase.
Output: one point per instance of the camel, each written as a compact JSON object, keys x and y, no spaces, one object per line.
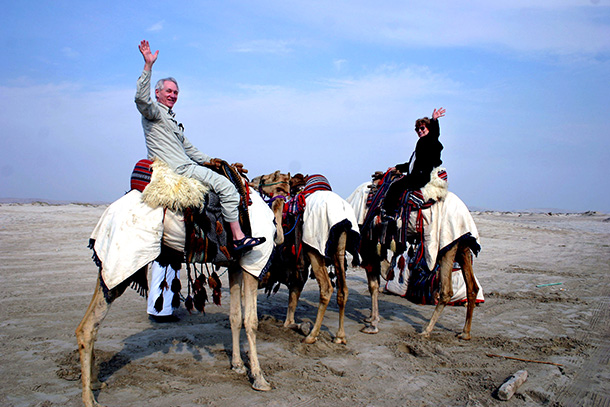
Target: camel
{"x":276,"y":187}
{"x":309,"y":237}
{"x":243,"y":293}
{"x":460,"y":248}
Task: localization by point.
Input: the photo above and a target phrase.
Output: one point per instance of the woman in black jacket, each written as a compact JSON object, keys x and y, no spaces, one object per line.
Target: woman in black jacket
{"x":425,"y":158}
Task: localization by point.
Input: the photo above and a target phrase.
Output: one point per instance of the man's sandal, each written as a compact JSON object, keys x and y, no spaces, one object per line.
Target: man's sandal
{"x":247,"y":243}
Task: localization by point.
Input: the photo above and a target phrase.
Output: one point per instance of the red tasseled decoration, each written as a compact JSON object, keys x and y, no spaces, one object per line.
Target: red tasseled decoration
{"x":216,"y":297}
{"x":212,"y":281}
{"x":401,"y":263}
{"x":199,"y":244}
{"x":163,"y":285}
{"x":216,"y":289}
{"x":199,"y":283}
{"x":219,"y":227}
{"x":199,"y":300}
{"x":224,"y":251}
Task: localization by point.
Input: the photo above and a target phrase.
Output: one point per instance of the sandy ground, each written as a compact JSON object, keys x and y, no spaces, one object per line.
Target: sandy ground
{"x":47,"y":278}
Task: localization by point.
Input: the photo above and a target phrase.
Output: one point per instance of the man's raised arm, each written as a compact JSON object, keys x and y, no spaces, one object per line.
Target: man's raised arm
{"x":149,"y":57}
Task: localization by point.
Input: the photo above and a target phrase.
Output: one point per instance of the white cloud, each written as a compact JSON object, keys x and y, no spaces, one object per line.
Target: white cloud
{"x":559,"y":27}
{"x":339,"y":64}
{"x":158,"y":26}
{"x":69,"y":53}
{"x":265,"y":47}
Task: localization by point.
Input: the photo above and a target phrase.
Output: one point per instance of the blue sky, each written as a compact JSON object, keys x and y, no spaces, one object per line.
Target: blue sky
{"x":315,"y":87}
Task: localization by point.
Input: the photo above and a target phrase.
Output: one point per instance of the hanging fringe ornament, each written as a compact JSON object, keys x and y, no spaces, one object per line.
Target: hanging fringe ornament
{"x":199,"y":300}
{"x":159,"y":303}
{"x":215,"y":284}
{"x":378,"y":249}
{"x":176,"y":301}
{"x":393,"y":245}
{"x":176,"y":286}
{"x":199,"y":283}
{"x":188,"y":304}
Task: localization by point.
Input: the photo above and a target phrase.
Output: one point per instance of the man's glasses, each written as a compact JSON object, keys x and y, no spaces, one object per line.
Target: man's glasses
{"x":422,"y":128}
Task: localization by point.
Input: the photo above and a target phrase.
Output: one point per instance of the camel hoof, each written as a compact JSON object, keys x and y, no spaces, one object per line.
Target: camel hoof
{"x":371,"y":320}
{"x":241,"y":369}
{"x":92,"y":403}
{"x":464,"y":336}
{"x":261,"y":384}
{"x":305,"y":328}
{"x":309,"y":339}
{"x":291,"y":325}
{"x":97,"y":385}
{"x":425,"y":334}
{"x":340,"y":341}
{"x":371,"y":329}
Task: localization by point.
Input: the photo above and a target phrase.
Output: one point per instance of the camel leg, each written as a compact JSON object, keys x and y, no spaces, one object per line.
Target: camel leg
{"x":464,"y":258}
{"x":342,"y":290}
{"x":250,"y":291}
{"x":446,"y":268}
{"x":373,"y":320}
{"x":235,"y":317}
{"x":86,"y":333}
{"x":293,"y":299}
{"x":326,"y":291}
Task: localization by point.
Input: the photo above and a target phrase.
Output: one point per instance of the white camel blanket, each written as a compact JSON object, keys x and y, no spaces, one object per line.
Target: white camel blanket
{"x":323,"y":210}
{"x":358,"y":200}
{"x":128,"y":236}
{"x":400,"y":283}
{"x":444,"y":223}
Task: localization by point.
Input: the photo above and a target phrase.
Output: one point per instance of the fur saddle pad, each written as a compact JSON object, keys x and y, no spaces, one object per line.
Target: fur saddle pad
{"x":173,"y":191}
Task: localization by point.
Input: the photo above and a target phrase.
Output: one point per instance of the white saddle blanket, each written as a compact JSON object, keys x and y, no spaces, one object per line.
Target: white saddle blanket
{"x":323,"y":210}
{"x":399,"y":284}
{"x":128,"y":236}
{"x":444,"y":223}
{"x":358,"y":200}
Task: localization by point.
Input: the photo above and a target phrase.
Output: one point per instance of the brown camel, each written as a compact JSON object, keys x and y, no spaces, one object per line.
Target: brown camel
{"x":243,"y":293}
{"x":376,"y":264}
{"x":291,"y":267}
{"x":276,"y":188}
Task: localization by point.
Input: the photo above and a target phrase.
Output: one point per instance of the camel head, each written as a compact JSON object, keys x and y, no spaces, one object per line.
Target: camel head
{"x":275,"y":185}
{"x":272,"y":185}
{"x":297,"y":182}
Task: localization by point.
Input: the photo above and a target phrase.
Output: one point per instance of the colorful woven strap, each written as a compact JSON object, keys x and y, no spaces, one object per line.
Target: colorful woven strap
{"x":140,"y":177}
{"x":315,"y":183}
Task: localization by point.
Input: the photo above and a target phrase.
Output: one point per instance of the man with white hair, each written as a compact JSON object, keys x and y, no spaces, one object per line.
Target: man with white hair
{"x":165,"y":140}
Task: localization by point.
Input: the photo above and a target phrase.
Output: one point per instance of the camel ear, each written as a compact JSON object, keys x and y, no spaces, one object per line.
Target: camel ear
{"x":289,"y":175}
